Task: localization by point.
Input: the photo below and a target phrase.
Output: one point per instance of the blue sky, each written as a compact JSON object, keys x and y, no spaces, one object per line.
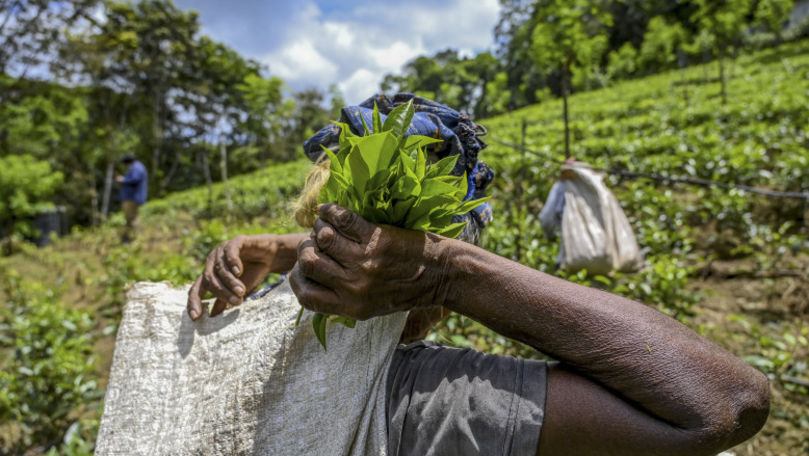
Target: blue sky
{"x":352,"y":43}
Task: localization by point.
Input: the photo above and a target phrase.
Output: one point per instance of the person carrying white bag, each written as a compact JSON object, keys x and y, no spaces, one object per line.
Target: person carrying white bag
{"x":596,"y":234}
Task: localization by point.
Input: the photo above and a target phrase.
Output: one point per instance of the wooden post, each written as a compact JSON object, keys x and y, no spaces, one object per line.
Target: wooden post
{"x":223,"y":164}
{"x":565,"y":93}
{"x":518,"y":193}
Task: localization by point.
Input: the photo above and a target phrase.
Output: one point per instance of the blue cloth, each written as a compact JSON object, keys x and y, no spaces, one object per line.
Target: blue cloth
{"x":133,"y":187}
{"x":459,"y":134}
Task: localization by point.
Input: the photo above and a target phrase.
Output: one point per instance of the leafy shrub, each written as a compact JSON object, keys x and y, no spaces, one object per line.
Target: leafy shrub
{"x":26,"y":184}
{"x":46,"y":363}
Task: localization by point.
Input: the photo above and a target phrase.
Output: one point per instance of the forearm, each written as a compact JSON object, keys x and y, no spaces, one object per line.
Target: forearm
{"x":648,"y":358}
{"x":282,"y":248}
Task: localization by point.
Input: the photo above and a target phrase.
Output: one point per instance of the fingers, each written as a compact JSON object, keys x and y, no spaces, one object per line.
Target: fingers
{"x":330,"y":241}
{"x":313,"y":295}
{"x":347,"y":223}
{"x":219,"y":306}
{"x":319,"y":267}
{"x":232,"y":251}
{"x":195,"y":295}
{"x":219,"y":281}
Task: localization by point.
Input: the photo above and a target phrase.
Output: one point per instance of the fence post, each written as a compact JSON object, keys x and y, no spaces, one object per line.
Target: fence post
{"x":518,"y":193}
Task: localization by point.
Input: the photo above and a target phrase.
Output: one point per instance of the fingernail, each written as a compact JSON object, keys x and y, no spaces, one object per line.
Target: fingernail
{"x":192,"y":314}
{"x":239,"y":291}
{"x":234,"y":300}
{"x":235,"y":270}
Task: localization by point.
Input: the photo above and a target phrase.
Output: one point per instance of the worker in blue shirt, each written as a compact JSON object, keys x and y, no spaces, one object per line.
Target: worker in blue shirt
{"x":133,"y":193}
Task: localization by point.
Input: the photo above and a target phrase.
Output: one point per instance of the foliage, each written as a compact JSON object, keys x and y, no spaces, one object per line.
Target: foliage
{"x":26,"y":185}
{"x":661,"y":43}
{"x":623,"y":62}
{"x":773,"y":14}
{"x":384,"y":177}
{"x":46,"y":363}
{"x":452,"y":79}
{"x":644,"y":126}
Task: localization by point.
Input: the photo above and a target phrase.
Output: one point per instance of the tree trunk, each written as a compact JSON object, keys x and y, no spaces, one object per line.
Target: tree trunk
{"x":565,"y":93}
{"x":105,"y":201}
{"x":722,"y":80}
{"x":170,"y":175}
{"x":223,"y":165}
{"x":157,"y":138}
{"x":206,"y":171}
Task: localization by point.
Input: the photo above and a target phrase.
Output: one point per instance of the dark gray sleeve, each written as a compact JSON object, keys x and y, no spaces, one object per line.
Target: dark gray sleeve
{"x":447,"y":401}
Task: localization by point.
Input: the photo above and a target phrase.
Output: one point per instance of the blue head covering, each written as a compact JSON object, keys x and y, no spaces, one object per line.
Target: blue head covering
{"x":460,"y":136}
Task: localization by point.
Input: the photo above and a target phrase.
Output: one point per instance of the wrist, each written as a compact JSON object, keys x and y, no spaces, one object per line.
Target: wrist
{"x":283,"y":250}
{"x":441,"y":257}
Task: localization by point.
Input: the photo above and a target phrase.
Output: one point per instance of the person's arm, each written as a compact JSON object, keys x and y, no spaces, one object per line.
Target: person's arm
{"x":133,"y":176}
{"x":236,"y":267}
{"x":630,"y":380}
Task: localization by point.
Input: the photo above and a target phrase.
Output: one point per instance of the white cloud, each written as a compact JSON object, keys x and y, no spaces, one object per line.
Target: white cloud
{"x":360,"y":85}
{"x":301,"y":60}
{"x":356,"y":47}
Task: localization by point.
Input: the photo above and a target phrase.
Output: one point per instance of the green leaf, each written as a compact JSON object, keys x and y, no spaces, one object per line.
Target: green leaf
{"x":331,"y":191}
{"x":406,"y":187}
{"x":432,"y":187}
{"x":442,"y":167}
{"x":367,"y":131}
{"x":399,"y":119}
{"x":452,"y":231}
{"x":407,"y":162}
{"x":421,"y":163}
{"x":377,"y":151}
{"x":415,"y":141}
{"x":377,"y":119}
{"x":319,"y":321}
{"x":335,"y":164}
{"x":357,"y":169}
{"x":471,"y":204}
{"x":345,"y":321}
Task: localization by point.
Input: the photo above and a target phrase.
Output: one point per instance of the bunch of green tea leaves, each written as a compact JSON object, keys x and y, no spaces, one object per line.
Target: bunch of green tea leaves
{"x":385,"y":178}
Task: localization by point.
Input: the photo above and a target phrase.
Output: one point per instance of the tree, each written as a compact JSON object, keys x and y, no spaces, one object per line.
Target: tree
{"x":31,"y":31}
{"x":773,"y":15}
{"x":723,"y":21}
{"x":496,"y":97}
{"x":661,"y":44}
{"x":568,"y":33}
{"x":623,"y":62}
{"x":26,"y":186}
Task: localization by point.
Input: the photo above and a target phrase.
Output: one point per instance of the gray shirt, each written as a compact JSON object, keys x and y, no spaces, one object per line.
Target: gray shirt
{"x":448,"y":401}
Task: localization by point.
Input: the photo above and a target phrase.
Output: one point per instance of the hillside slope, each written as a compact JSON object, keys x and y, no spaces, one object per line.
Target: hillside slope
{"x":730,"y":264}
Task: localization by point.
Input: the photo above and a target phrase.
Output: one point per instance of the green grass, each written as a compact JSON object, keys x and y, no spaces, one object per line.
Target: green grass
{"x":716,"y":257}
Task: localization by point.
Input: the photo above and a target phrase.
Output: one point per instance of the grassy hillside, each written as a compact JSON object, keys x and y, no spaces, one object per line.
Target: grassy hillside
{"x":730,"y":264}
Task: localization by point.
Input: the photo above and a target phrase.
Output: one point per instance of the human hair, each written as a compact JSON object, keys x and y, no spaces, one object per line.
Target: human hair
{"x":128,"y":159}
{"x":305,"y":208}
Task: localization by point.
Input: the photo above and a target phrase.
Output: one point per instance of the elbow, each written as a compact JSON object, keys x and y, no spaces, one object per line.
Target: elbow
{"x":740,"y":415}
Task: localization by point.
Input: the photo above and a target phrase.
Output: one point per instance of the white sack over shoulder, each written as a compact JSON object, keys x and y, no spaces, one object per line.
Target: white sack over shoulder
{"x":596,"y":234}
{"x":245,"y":382}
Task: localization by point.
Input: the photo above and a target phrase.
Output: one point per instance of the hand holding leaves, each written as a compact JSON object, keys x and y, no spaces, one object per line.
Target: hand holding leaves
{"x":384,"y":177}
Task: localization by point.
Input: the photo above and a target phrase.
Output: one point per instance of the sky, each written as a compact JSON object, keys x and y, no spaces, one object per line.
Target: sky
{"x":353,"y":43}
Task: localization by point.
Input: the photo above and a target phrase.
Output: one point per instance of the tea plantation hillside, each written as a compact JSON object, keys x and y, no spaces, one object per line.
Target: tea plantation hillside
{"x":728,"y":263}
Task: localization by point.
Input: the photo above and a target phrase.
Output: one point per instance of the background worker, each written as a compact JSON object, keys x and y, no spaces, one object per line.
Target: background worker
{"x":133,"y":193}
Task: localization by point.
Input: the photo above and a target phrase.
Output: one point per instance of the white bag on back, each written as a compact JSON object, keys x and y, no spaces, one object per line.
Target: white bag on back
{"x":246,"y":382}
{"x":596,"y":234}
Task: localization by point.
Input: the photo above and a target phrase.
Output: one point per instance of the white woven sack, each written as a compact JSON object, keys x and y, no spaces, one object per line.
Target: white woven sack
{"x":596,"y":234}
{"x":246,"y":382}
